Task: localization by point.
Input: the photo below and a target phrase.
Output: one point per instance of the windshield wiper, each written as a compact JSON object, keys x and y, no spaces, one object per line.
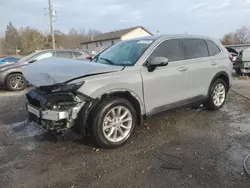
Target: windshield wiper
{"x":107,"y":60}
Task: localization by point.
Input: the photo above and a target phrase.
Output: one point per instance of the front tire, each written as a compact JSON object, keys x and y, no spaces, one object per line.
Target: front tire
{"x":217,"y":95}
{"x":113,"y":122}
{"x":16,"y":82}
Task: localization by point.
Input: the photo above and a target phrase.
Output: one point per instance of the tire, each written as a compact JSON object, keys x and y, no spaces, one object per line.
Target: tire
{"x":104,"y":110}
{"x":14,"y":79}
{"x":238,"y":71}
{"x":212,"y":100}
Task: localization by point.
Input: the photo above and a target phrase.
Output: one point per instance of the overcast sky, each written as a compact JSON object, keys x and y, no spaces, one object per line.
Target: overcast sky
{"x":205,"y":17}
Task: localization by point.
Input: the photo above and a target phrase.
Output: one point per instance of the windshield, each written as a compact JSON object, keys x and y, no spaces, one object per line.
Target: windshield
{"x":28,"y":57}
{"x":124,"y":53}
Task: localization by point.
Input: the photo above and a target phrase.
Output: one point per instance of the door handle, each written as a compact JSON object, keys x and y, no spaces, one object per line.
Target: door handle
{"x":182,"y":69}
{"x":213,"y":63}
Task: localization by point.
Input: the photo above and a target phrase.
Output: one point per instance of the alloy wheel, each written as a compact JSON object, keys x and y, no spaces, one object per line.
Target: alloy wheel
{"x":219,"y":94}
{"x":117,"y":124}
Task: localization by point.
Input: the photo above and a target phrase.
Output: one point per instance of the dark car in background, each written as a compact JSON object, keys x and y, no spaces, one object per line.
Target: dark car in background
{"x":11,"y":75}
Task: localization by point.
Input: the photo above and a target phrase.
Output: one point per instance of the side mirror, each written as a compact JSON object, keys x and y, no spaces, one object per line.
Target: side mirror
{"x":159,"y":61}
{"x":156,"y":62}
{"x":32,"y":61}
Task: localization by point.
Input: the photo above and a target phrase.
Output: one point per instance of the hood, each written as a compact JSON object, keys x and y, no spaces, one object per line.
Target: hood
{"x":11,"y":65}
{"x":52,"y":71}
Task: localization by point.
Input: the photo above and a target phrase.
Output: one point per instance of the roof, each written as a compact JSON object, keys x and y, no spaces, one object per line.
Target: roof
{"x":177,"y":36}
{"x":113,"y":35}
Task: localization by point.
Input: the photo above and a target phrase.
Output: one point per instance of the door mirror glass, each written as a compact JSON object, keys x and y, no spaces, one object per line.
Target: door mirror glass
{"x":159,"y":61}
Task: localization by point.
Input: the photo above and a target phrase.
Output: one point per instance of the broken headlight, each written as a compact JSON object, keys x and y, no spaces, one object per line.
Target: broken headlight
{"x":67,"y":88}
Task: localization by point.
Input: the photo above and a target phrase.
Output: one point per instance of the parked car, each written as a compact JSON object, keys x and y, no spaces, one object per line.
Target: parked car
{"x":9,"y":59}
{"x":11,"y":75}
{"x":126,"y":83}
{"x":242,"y":63}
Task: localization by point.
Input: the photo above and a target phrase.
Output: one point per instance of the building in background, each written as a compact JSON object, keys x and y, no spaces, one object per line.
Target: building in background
{"x":98,"y":43}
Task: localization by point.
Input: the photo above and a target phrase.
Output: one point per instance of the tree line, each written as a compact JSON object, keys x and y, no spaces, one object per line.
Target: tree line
{"x":26,"y":40}
{"x":239,"y":36}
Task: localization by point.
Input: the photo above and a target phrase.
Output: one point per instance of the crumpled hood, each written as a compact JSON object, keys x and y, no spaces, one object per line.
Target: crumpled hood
{"x":51,"y":71}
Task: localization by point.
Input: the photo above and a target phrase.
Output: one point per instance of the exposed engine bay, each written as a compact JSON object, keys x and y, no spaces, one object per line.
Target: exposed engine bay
{"x":56,"y":107}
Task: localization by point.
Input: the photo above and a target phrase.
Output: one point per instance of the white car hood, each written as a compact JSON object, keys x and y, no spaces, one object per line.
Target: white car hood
{"x":51,"y":71}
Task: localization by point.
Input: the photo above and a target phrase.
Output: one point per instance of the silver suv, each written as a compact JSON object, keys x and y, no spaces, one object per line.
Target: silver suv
{"x":127,"y":83}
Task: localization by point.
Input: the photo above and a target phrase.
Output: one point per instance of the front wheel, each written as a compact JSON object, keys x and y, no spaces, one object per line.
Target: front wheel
{"x":16,"y":82}
{"x":113,"y":122}
{"x":217,"y":95}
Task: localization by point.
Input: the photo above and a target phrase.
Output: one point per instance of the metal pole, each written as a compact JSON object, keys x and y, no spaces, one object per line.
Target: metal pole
{"x":51,"y":25}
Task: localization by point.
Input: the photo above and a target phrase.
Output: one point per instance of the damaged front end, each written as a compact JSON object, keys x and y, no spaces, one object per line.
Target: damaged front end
{"x":57,"y":107}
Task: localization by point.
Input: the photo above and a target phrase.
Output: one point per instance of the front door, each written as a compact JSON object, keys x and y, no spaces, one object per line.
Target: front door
{"x":165,"y":86}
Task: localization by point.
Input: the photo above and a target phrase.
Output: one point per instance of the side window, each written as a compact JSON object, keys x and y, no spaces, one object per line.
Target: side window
{"x":77,"y":54}
{"x":43,"y":56}
{"x":10,"y":59}
{"x":194,"y":48}
{"x":212,"y":48}
{"x":170,"y":49}
{"x":64,"y":54}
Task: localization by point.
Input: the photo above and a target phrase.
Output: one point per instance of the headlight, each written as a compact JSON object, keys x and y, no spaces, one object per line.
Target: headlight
{"x":2,"y":69}
{"x":67,"y":88}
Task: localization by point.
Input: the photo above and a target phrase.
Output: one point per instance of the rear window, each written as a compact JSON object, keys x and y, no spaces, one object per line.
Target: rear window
{"x":212,"y":48}
{"x":194,"y":48}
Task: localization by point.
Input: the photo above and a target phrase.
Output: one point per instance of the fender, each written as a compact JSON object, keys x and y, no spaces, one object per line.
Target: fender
{"x":113,"y":91}
{"x":81,"y":122}
{"x":221,"y":73}
{"x":4,"y":74}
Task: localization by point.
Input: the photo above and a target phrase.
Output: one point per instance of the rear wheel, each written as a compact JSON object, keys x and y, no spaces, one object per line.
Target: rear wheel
{"x":16,"y":82}
{"x":114,"y":122}
{"x":217,"y":95}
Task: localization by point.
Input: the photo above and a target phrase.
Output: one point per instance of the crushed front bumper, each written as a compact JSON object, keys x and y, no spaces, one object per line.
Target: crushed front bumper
{"x":47,"y":114}
{"x":54,"y":120}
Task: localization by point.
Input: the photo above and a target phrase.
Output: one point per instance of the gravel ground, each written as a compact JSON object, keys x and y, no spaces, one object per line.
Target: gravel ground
{"x":184,"y":148}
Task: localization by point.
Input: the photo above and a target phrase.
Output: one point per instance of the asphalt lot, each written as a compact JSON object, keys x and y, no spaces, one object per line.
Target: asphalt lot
{"x":186,"y":148}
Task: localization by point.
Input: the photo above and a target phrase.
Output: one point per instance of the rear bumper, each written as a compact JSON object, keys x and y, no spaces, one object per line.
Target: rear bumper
{"x":245,"y":70}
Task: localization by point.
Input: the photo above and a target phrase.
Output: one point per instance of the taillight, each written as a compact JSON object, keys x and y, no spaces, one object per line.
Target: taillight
{"x":231,"y":58}
{"x":89,"y":58}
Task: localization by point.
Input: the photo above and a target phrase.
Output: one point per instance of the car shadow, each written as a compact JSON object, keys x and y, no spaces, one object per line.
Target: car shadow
{"x":70,"y":136}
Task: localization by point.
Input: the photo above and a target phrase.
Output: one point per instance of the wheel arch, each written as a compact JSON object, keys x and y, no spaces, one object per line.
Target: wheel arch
{"x":10,"y":73}
{"x":131,"y":97}
{"x":220,"y":75}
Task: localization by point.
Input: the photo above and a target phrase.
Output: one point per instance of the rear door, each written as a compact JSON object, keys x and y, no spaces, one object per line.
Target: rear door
{"x":202,"y":66}
{"x":169,"y":84}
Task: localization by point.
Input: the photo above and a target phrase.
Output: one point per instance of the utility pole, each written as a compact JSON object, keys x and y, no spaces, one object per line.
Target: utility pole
{"x":51,"y":25}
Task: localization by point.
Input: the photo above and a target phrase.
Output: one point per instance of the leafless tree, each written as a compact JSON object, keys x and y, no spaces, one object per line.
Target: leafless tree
{"x":242,"y":35}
